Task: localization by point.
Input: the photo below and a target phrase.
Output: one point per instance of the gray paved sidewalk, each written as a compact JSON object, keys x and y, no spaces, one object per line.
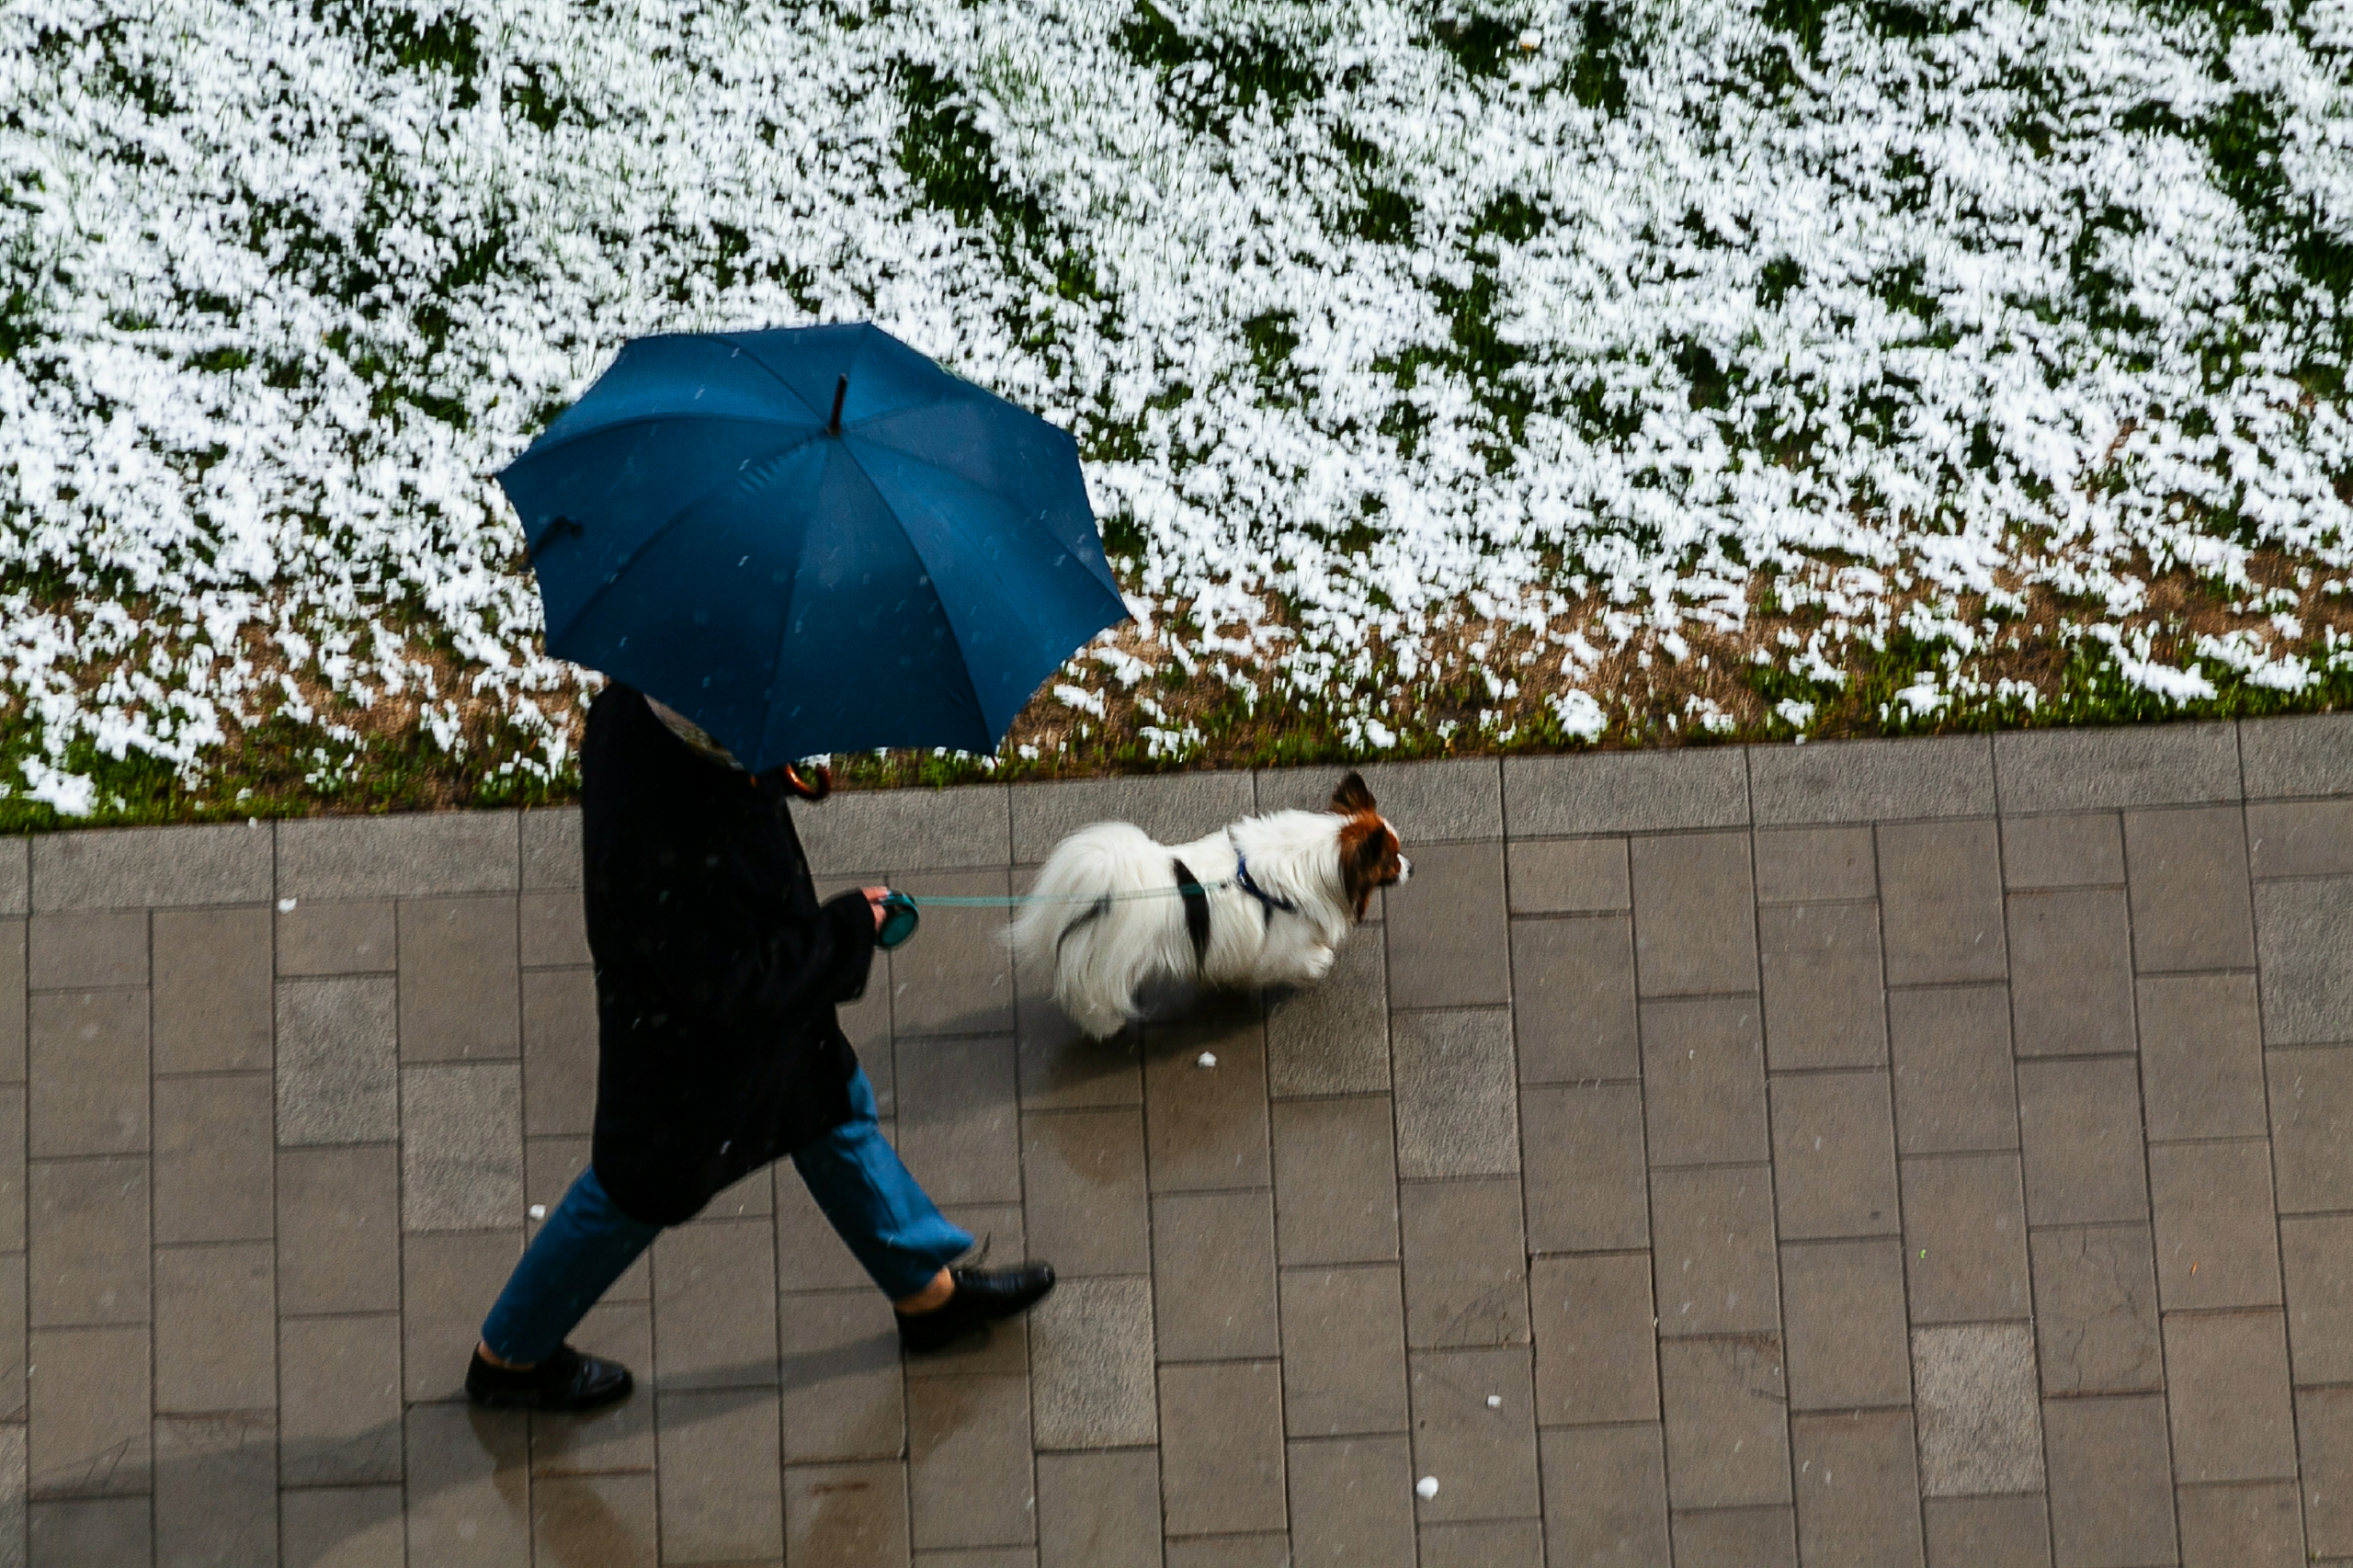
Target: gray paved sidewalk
{"x":1883,"y":1154}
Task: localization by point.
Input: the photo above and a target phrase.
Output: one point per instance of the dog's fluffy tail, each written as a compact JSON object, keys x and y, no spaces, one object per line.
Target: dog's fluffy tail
{"x":1090,"y":930}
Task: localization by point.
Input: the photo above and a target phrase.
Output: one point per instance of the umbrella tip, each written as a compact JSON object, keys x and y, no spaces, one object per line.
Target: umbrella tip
{"x":841,"y":390}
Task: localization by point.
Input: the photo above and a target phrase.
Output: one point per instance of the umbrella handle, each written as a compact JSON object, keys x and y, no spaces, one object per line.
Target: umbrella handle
{"x":809,"y":789}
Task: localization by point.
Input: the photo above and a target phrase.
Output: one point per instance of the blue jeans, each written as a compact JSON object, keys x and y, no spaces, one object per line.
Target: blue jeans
{"x":587,"y":1242}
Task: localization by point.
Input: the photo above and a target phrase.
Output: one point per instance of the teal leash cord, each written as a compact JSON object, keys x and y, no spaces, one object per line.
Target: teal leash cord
{"x":1017,"y":900}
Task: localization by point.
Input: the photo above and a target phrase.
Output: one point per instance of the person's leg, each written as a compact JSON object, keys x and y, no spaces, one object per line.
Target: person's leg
{"x":584,"y":1245}
{"x":905,"y":1244}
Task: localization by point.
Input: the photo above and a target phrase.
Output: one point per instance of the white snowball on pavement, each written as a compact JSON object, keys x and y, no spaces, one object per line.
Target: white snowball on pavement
{"x":1207,"y":1058}
{"x":1494,"y":1402}
{"x":538,"y":1210}
{"x":1426,"y":1488}
{"x":286,"y":905}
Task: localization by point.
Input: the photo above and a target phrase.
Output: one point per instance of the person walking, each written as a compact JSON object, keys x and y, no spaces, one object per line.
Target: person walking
{"x":718,"y":975}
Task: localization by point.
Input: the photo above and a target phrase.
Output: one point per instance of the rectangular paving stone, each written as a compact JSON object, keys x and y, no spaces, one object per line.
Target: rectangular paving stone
{"x":959,"y":1121}
{"x":339,"y":1062}
{"x":1455,"y":1093}
{"x":1336,"y":1181}
{"x":1091,"y":1351}
{"x":448,"y":1279}
{"x":322,"y":936}
{"x":339,"y":1399}
{"x":1263,"y":1549}
{"x":88,"y":1227}
{"x":2312,"y":1128}
{"x":1595,"y":1333}
{"x":1604,"y":1494}
{"x":1333,"y":1039}
{"x":2245,"y":1527}
{"x":1833,"y":1155}
{"x":216,"y":1490}
{"x":1857,"y":1490}
{"x":1221,"y":1447}
{"x":720,"y":1486}
{"x":2317,"y":1257}
{"x":1486,"y":1543}
{"x":1171,"y":807}
{"x":2307,"y":754}
{"x":2071,"y":973}
{"x":12,"y":1346}
{"x":1964,"y":1239}
{"x":2190,"y":905}
{"x":1428,"y":802}
{"x":1703,"y":1074}
{"x":1695,"y":929}
{"x":1714,"y":1251}
{"x":88,"y":1092}
{"x":1815,"y":865}
{"x":12,"y":1001}
{"x":843,"y":1397}
{"x":550,"y":839}
{"x":2304,"y":838}
{"x":559,"y":1052}
{"x":1636,"y":792}
{"x":1352,"y":1501}
{"x":1727,"y":1434}
{"x":865,"y":831}
{"x":854,"y":1514}
{"x":2080,"y":1127}
{"x":215,"y":1341}
{"x":212,"y":990}
{"x":2091,"y":769}
{"x":1084,"y":1177}
{"x":2095,"y":1310}
{"x":2324,"y":1435}
{"x":1843,"y":1304}
{"x":1973,"y":1398}
{"x":1940,"y":903}
{"x":715,"y":1304}
{"x":2303,"y":938}
{"x":619,"y":1437}
{"x":1584,"y":1184}
{"x":1951,"y":775}
{"x":1099,"y":1510}
{"x":338,"y":1230}
{"x":87,"y":952}
{"x":2201,"y":1057}
{"x":417,"y":856}
{"x":1213,"y":1276}
{"x":2226,"y":1376}
{"x":1466,"y":1262}
{"x":607,"y":1521}
{"x":12,"y":1167}
{"x":16,"y":875}
{"x":90,"y":1430}
{"x":1568,"y":876}
{"x":1344,"y":1351}
{"x":469,"y":1498}
{"x":958,"y":979}
{"x":87,"y":1531}
{"x":458,"y":984}
{"x":551,"y":931}
{"x":1824,"y":1003}
{"x":213,"y":1158}
{"x":1206,"y":1128}
{"x":1484,"y":1456}
{"x":1736,"y":1538}
{"x":1572,"y":989}
{"x":1447,"y":929}
{"x":1986,"y":1532}
{"x":461,"y":1146}
{"x":2216,"y":1244}
{"x":1954,"y":1084}
{"x":151,"y":866}
{"x":2076,"y":849}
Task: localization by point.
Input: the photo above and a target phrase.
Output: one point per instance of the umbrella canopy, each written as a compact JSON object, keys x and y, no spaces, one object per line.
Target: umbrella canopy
{"x":810,"y":541}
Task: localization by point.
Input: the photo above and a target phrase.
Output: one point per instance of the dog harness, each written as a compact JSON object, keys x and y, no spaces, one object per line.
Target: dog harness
{"x":1196,"y":909}
{"x":1267,"y":902}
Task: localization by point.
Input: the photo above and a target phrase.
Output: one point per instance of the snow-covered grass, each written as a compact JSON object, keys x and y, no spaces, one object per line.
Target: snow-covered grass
{"x":1504,"y":374}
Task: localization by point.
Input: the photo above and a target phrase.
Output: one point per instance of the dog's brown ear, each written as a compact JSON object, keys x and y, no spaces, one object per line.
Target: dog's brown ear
{"x":1352,"y":796}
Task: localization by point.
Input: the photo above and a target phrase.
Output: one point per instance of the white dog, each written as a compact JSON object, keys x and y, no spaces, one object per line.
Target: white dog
{"x":1265,"y":901}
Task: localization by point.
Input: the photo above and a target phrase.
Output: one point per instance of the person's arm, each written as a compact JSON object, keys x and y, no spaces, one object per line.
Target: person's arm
{"x":721,"y":964}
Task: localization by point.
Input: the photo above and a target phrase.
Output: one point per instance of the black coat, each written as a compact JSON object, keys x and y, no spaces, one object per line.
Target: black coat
{"x":717,"y":969}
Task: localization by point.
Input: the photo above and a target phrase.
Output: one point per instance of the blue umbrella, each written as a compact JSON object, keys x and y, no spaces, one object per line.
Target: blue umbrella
{"x":812,"y":540}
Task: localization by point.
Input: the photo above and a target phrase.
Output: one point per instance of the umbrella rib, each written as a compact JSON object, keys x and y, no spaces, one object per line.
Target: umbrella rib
{"x":543,"y":447}
{"x":657,"y":536}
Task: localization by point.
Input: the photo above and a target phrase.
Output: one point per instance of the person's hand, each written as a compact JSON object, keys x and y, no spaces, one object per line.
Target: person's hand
{"x":874,"y":897}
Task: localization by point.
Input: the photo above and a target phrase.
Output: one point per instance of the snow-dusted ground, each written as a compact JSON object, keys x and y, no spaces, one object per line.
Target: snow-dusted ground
{"x":1585,"y":320}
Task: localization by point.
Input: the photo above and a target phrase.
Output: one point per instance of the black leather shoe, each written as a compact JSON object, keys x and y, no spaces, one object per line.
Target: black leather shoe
{"x":983,"y":1296}
{"x":565,"y":1381}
